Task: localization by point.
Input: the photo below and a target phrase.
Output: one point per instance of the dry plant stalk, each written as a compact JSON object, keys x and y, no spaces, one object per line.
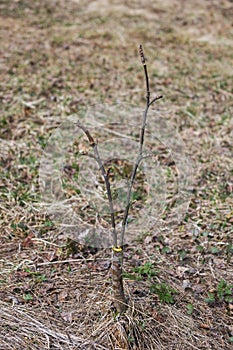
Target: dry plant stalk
{"x":117,"y":249}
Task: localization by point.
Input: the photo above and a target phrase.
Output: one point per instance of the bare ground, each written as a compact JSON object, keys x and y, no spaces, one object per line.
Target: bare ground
{"x":57,"y":56}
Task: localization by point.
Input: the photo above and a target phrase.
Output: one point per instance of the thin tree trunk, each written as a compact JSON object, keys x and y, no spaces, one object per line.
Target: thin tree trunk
{"x":117,"y":281}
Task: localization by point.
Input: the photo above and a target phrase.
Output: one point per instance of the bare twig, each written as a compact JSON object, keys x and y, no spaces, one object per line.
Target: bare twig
{"x":143,"y":59}
{"x":93,"y":144}
{"x":155,"y":99}
{"x":142,"y":133}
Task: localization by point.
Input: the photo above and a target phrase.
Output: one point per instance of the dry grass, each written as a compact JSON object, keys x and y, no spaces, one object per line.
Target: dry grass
{"x":89,"y":322}
{"x":57,"y":56}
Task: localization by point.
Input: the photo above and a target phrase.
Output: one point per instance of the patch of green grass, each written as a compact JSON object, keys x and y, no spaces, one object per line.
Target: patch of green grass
{"x":164,"y":292}
{"x":146,"y":271}
{"x":23,"y":195}
{"x":143,"y":272}
{"x":48,"y":223}
{"x":28,"y":297}
{"x":211,"y":298}
{"x":35,"y":275}
{"x":223,"y":293}
{"x":182,"y":254}
{"x":190,"y":308}
{"x":214,"y":250}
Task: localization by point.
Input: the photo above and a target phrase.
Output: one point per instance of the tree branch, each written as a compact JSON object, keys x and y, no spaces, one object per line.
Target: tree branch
{"x":93,"y":144}
{"x":141,"y":141}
